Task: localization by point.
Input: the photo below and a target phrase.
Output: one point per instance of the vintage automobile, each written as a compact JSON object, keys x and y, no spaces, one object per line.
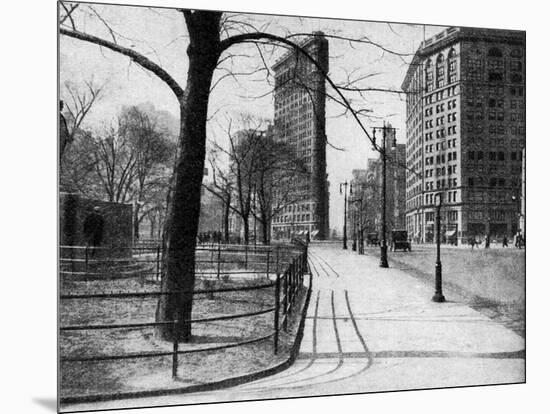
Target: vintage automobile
{"x":400,"y":240}
{"x":372,"y":239}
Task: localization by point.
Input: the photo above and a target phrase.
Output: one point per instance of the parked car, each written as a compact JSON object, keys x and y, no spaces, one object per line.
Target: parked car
{"x":400,"y":240}
{"x":372,"y":239}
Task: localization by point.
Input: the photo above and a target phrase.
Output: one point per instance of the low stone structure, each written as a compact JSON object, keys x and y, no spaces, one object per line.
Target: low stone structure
{"x":117,"y":230}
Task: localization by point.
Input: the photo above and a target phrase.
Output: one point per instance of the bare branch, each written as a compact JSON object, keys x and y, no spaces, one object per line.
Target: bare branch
{"x":133,"y":55}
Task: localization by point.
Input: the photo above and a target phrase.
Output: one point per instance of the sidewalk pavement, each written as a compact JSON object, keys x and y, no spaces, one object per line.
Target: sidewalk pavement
{"x":371,"y":329}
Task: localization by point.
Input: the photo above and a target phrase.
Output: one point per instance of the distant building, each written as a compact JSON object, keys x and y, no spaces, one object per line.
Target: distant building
{"x":299,"y":120}
{"x":465,"y":133}
{"x":395,"y":187}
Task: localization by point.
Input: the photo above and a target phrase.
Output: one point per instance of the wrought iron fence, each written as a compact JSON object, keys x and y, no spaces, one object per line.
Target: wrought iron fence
{"x":282,"y":267}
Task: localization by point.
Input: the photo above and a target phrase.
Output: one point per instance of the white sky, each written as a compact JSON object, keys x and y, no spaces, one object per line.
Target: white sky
{"x":161,"y":34}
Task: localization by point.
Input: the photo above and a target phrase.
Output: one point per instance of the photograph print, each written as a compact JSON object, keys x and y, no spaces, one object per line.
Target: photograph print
{"x":256,"y":206}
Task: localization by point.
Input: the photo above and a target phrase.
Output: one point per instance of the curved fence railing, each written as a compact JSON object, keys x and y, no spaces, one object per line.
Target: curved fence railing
{"x":282,"y":269}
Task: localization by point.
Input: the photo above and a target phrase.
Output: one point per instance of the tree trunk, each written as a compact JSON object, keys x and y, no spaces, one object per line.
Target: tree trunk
{"x":226,"y":219}
{"x":136,"y":221}
{"x":181,"y":235}
{"x":265,"y":228}
{"x":246,"y":229}
{"x":152,"y":221}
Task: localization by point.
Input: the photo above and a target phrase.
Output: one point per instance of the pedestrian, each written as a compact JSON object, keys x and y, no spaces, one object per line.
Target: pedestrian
{"x":472,"y":241}
{"x":487,"y":241}
{"x":505,"y":241}
{"x":519,"y":240}
{"x":93,"y":229}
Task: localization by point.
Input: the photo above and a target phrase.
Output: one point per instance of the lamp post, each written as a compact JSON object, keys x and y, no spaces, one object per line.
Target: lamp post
{"x":354,"y":226}
{"x":438,"y":295}
{"x":358,"y":226}
{"x":383,"y":245}
{"x":345,"y":185}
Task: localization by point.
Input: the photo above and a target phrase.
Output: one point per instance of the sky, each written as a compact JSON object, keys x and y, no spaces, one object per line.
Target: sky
{"x":161,"y":35}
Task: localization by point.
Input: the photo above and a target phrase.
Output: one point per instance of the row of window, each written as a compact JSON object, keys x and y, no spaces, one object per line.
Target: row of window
{"x":292,"y":218}
{"x":437,"y":96}
{"x":439,"y":159}
{"x":493,"y":156}
{"x":430,"y":199}
{"x":451,"y":143}
{"x":492,"y":182}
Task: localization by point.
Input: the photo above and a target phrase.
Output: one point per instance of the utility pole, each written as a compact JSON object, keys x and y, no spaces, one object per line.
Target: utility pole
{"x":382,"y":150}
{"x":345,"y":185}
{"x":438,"y":295}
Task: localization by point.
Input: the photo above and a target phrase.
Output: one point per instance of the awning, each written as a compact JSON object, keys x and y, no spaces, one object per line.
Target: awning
{"x":314,"y":233}
{"x":450,"y":233}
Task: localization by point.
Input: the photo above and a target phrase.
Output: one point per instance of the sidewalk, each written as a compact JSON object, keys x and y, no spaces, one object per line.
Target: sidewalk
{"x":370,"y":329}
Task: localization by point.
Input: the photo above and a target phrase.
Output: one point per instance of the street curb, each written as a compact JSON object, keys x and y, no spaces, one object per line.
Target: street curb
{"x":225,"y":383}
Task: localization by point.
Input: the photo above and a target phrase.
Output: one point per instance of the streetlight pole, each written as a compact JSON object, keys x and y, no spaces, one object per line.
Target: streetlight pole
{"x":383,"y":245}
{"x":361,"y":247}
{"x":438,"y":295}
{"x":345,"y":185}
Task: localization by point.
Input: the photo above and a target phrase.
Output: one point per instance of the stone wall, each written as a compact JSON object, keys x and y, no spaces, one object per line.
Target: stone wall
{"x":117,"y":232}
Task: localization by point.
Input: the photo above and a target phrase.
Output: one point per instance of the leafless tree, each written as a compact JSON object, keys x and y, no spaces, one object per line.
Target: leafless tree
{"x":78,"y":103}
{"x":213,"y":38}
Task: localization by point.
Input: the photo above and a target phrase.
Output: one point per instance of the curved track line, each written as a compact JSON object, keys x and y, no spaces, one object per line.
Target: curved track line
{"x":314,"y":267}
{"x":321,"y":266}
{"x":337,"y":367}
{"x":330,"y":267}
{"x":313,"y":351}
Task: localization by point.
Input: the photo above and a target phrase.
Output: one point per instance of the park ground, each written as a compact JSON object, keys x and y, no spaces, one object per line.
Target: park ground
{"x":370,"y":329}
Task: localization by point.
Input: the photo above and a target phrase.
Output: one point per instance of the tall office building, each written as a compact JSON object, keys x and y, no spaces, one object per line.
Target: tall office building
{"x":465,"y":133}
{"x":299,"y":121}
{"x":395,"y":186}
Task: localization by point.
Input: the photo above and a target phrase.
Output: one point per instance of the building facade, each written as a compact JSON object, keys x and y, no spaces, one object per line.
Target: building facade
{"x":465,"y":133}
{"x":395,"y":187}
{"x":299,"y":121}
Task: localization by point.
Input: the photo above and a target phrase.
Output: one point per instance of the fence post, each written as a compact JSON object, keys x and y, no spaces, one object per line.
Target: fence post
{"x":219,"y":259}
{"x":175,"y":350}
{"x":277,"y":259}
{"x":293,"y":283}
{"x":276,"y":316}
{"x":267,"y":267}
{"x":211,"y":252}
{"x":285,"y":299}
{"x":158,"y":261}
{"x":86,"y":260}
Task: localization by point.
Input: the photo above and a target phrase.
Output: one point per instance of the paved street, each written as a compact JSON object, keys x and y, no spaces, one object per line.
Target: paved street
{"x":371,"y":329}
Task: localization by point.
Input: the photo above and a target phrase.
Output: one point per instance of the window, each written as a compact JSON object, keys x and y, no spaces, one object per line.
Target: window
{"x":516,"y":78}
{"x":492,"y":156}
{"x":440,"y":71}
{"x":451,"y":66}
{"x":516,"y":66}
{"x":428,"y":74}
{"x":480,"y":155}
{"x":495,"y":52}
{"x":495,"y":77}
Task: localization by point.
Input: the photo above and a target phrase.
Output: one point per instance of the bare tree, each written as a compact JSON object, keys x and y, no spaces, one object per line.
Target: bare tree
{"x":78,"y":102}
{"x":152,"y":152}
{"x":211,"y":37}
